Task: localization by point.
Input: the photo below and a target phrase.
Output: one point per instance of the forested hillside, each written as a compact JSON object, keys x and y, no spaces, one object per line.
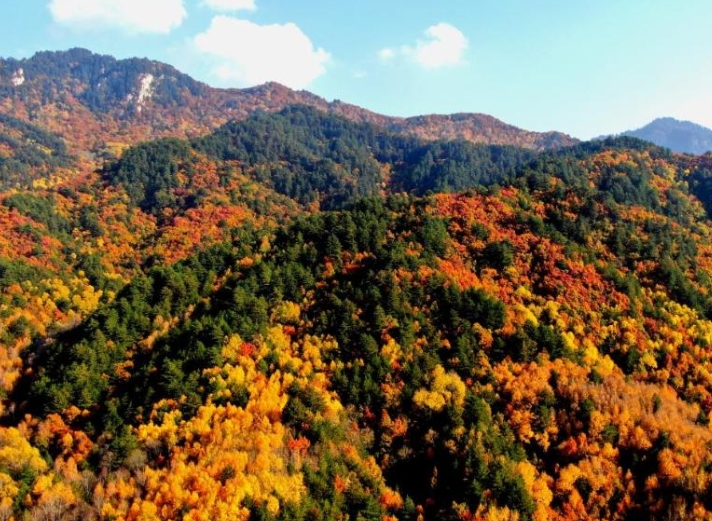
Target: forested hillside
{"x":29,"y":154}
{"x":300,"y":317}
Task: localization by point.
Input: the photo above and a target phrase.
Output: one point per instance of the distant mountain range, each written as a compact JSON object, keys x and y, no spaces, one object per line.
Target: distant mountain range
{"x":679,"y":136}
{"x":95,"y":101}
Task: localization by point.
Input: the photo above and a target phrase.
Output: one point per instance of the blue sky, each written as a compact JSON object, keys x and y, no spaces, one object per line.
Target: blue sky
{"x":583,"y":67}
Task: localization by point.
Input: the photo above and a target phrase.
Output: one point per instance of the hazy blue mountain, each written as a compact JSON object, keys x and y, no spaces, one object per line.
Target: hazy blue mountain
{"x":679,"y":136}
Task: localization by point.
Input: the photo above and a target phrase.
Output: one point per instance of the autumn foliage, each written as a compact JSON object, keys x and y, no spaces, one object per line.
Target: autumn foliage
{"x":298,"y":317}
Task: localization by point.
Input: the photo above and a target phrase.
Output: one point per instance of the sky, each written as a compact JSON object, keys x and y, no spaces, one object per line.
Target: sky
{"x":582,"y":67}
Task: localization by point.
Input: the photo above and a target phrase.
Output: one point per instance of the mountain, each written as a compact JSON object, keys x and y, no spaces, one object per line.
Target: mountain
{"x":533,"y":347}
{"x":96,"y":101}
{"x":680,"y":136}
{"x":297,"y":315}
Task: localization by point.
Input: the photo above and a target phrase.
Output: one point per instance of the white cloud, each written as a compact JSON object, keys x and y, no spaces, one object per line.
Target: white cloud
{"x":231,"y":5}
{"x":445,"y":45}
{"x":138,"y":16}
{"x":249,"y":54}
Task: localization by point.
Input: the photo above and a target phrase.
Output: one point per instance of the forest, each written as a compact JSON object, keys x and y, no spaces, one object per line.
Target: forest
{"x":298,"y":317}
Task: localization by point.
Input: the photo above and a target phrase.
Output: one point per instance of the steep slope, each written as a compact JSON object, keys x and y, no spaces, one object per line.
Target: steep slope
{"x":29,"y":154}
{"x":72,"y":243}
{"x":679,"y":136}
{"x":302,"y":316}
{"x":538,"y":348}
{"x":98,"y":103}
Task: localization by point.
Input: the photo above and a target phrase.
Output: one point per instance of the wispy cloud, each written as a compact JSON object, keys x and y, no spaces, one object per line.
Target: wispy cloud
{"x":387,"y":54}
{"x":133,"y":16}
{"x":247,"y":54}
{"x":444,"y":45}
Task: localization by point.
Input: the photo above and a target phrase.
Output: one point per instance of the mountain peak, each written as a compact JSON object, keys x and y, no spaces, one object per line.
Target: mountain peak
{"x":666,"y":119}
{"x":270,"y":86}
{"x":677,"y":135}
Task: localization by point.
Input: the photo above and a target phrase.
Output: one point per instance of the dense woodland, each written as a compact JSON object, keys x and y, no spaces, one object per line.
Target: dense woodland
{"x":300,"y":317}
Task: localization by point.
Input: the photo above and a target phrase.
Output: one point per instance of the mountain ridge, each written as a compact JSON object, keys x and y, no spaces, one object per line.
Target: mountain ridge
{"x":148,"y":99}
